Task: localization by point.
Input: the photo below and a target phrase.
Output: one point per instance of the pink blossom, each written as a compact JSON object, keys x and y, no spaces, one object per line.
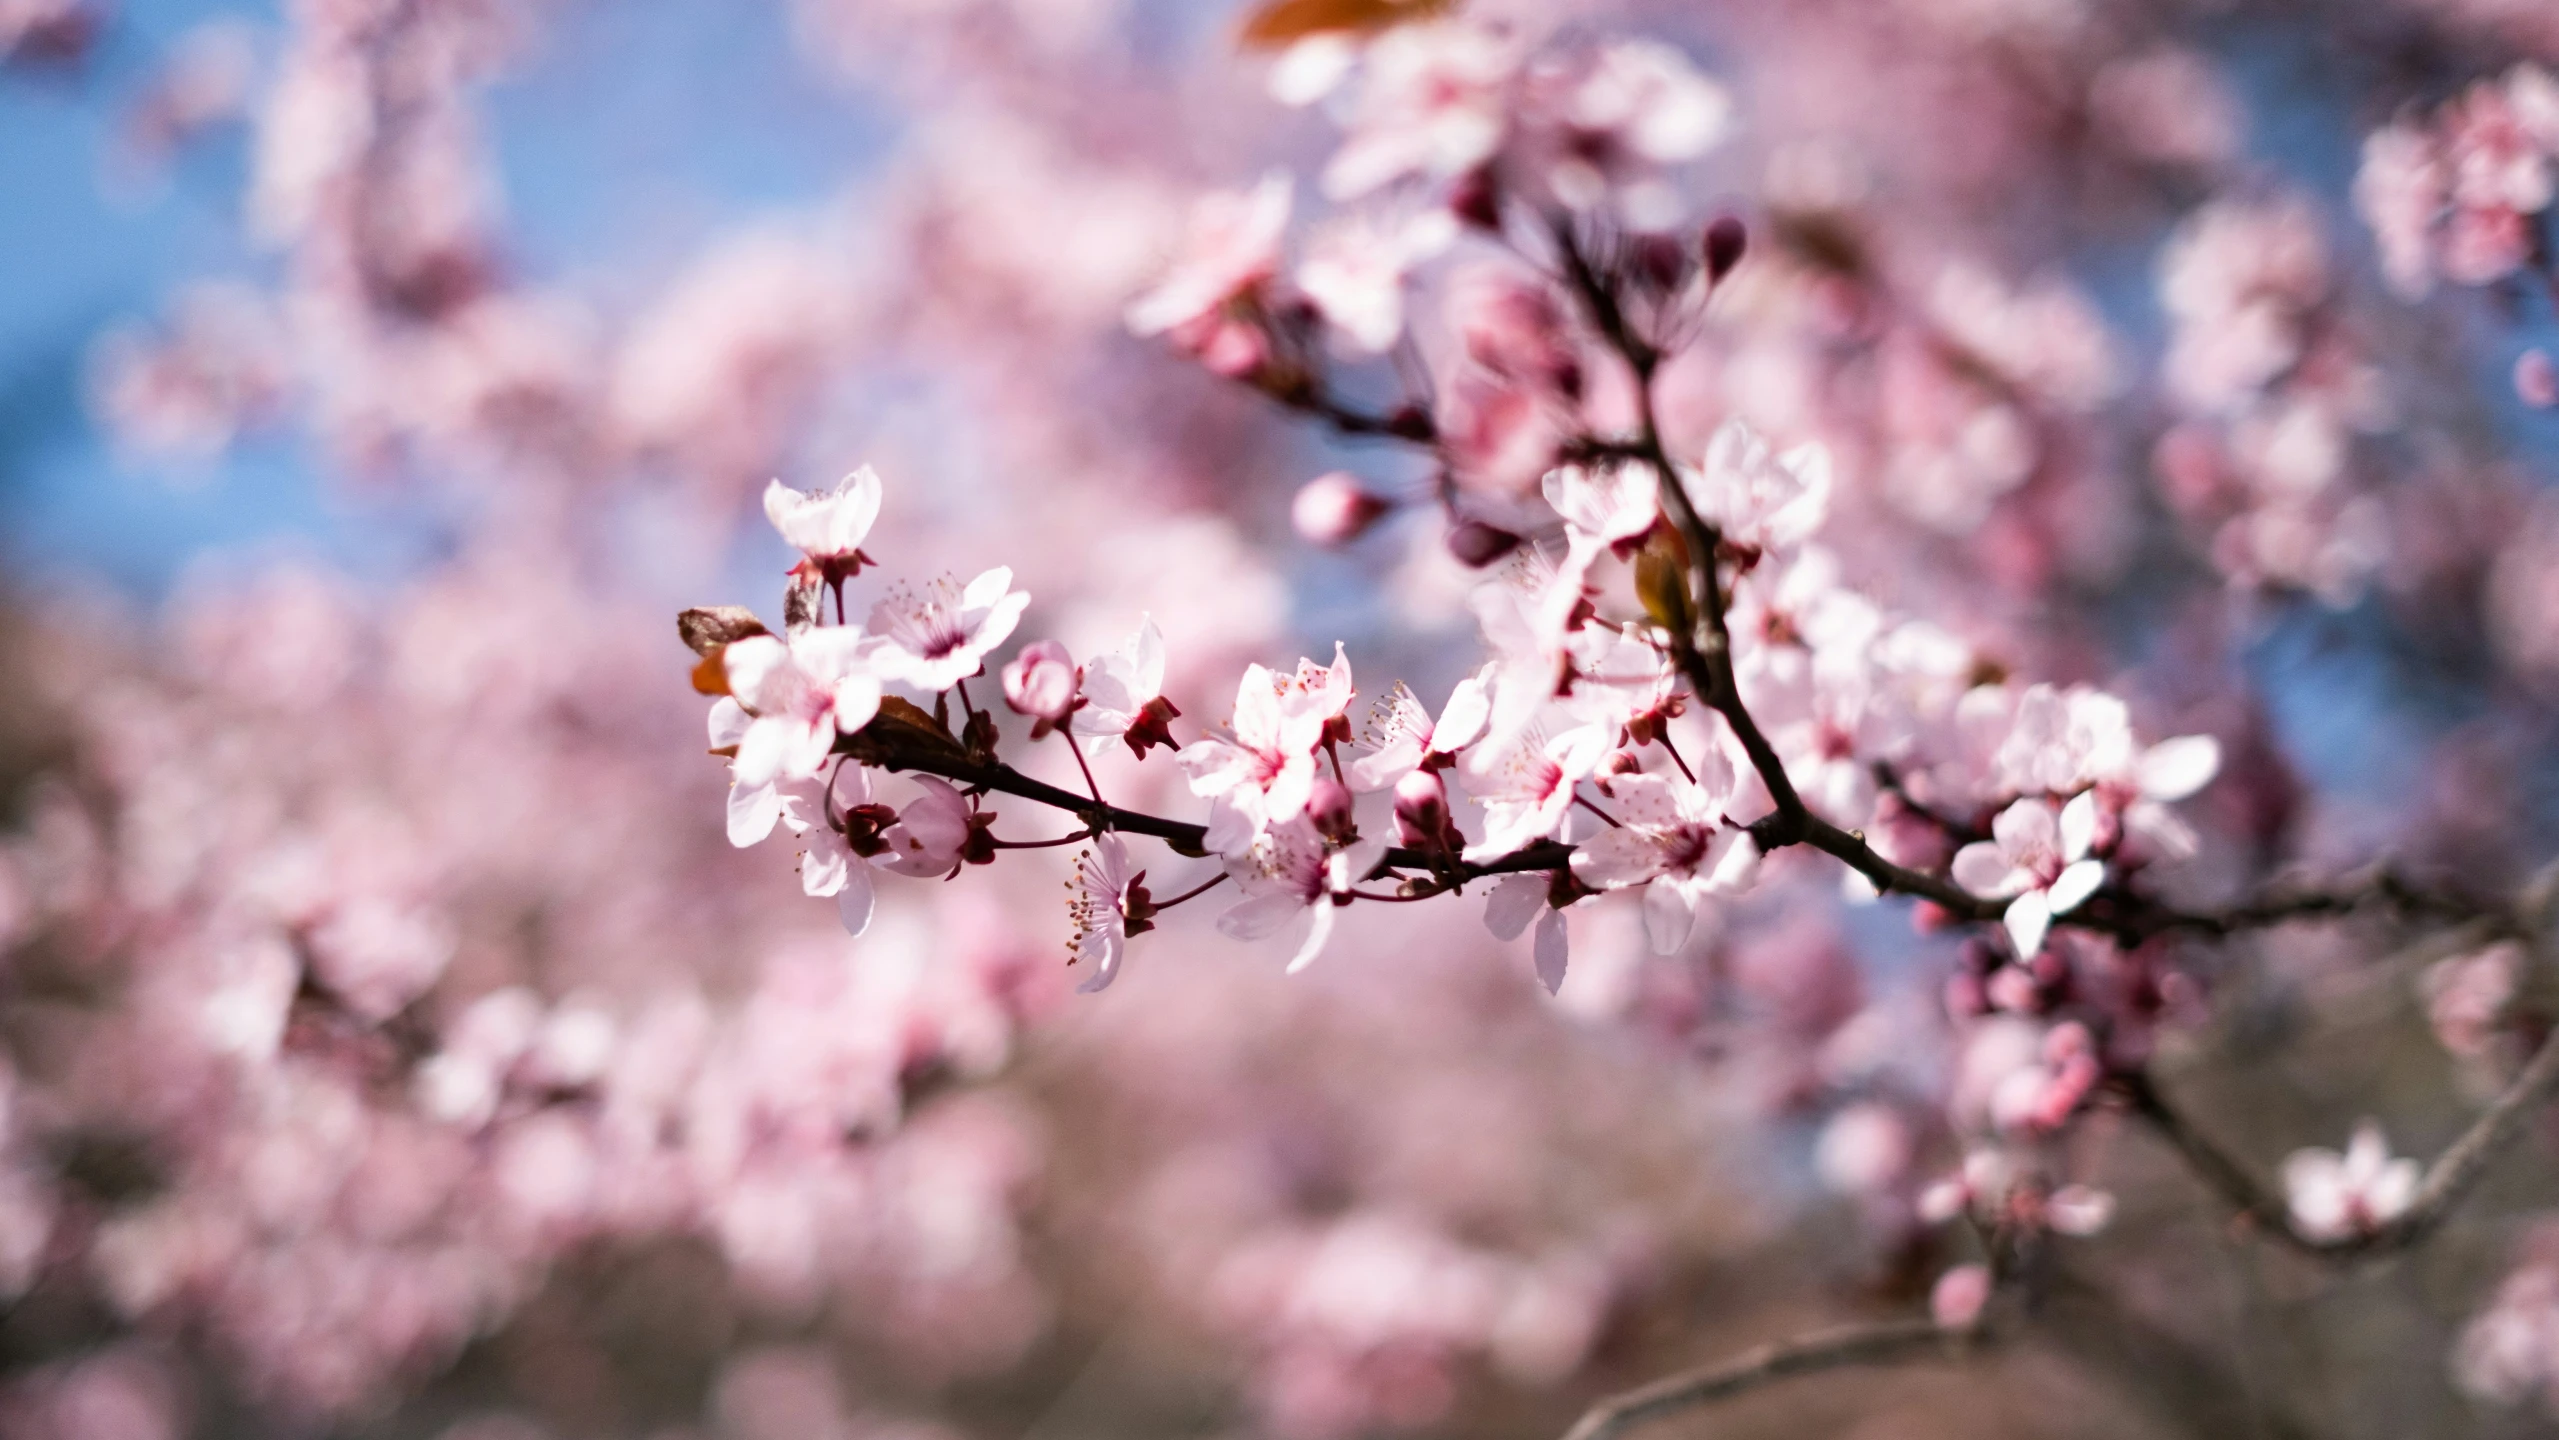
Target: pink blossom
{"x":1757,"y":497}
{"x":1335,"y":509}
{"x":2536,"y":379}
{"x":797,"y":695}
{"x":2039,"y":857}
{"x":1355,"y":269}
{"x":1433,"y":102}
{"x":1107,"y":903}
{"x":2334,"y":1196}
{"x":1230,"y":251}
{"x":934,"y":638}
{"x":1403,"y":737}
{"x":1674,"y":839}
{"x":2401,"y":192}
{"x":1041,"y":683}
{"x":827,"y":526}
{"x":1957,"y":1299}
{"x":1123,"y":695}
{"x":1262,"y":771}
{"x":1526,"y":786}
{"x":1291,"y":869}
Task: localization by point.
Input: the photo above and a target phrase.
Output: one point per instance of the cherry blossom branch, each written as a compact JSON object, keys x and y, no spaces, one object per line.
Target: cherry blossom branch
{"x":891,"y":745}
{"x":1884,"y":1343}
{"x":2451,"y":1178}
{"x":1707,"y":664}
{"x":2377,"y":886}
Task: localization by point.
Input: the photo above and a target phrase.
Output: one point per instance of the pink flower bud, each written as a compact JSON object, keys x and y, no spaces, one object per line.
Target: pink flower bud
{"x":1960,"y":1293}
{"x":1329,"y":806}
{"x":1725,"y":241}
{"x":1334,"y":510}
{"x":1041,"y":683}
{"x":1421,"y":810}
{"x":1476,"y":544}
{"x":2537,"y":379}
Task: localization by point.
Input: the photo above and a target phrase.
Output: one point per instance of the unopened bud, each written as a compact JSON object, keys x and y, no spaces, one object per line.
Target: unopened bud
{"x":1421,"y":810}
{"x":1329,"y":806}
{"x":2537,"y":379}
{"x":1041,"y":683}
{"x":1334,"y":509}
{"x":1476,"y":544}
{"x":1659,"y":263}
{"x":1726,"y":239}
{"x":1476,"y":198}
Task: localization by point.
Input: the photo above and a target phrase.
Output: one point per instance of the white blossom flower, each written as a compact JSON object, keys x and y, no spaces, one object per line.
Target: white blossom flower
{"x":1231,"y":248}
{"x":1673,"y":839}
{"x":2038,"y":858}
{"x":1290,"y":870}
{"x":827,"y":526}
{"x":1403,"y":737}
{"x":1756,"y":497}
{"x":1262,"y":772}
{"x":1526,"y":787}
{"x":1355,"y":268}
{"x":1123,"y":695}
{"x":2333,"y":1196}
{"x":1109,"y":903}
{"x":1435,"y":101}
{"x":798,"y":696}
{"x":938,"y":636}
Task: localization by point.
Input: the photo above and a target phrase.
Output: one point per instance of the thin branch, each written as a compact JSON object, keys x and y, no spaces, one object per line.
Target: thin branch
{"x":938,"y":755}
{"x":1890,"y":1342}
{"x":2447,"y":1182}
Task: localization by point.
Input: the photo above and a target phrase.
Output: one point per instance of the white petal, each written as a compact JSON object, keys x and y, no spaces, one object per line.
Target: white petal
{"x":754,"y":664}
{"x":853,"y":902}
{"x":2027,"y":828}
{"x":1384,"y":767}
{"x":1733,"y":863}
{"x":857,"y":700}
{"x":2079,"y":825}
{"x":1615,"y":859}
{"x":987,"y":588}
{"x":1261,"y":915}
{"x":1514,"y":901}
{"x":1553,"y":950}
{"x":1981,"y":868}
{"x":1469,"y":708}
{"x":728,"y":723}
{"x":1351,"y":865}
{"x":2175,"y":769}
{"x":2075,"y":884}
{"x":1316,"y":934}
{"x":1670,"y":912}
{"x":825,"y":864}
{"x":2028,"y":917}
{"x":752,"y":811}
{"x":857,"y":508}
{"x":999,"y":622}
{"x":1104,"y":950}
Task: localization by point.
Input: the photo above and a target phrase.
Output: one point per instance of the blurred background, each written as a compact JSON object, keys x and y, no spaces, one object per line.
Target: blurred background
{"x":392,"y":1045}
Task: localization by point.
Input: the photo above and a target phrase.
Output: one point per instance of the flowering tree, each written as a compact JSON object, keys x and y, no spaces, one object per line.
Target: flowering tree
{"x":1887,"y":729}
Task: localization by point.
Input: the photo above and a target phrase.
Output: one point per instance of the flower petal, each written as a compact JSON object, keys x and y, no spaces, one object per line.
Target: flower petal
{"x":853,"y":902}
{"x":1514,"y":901}
{"x":1552,"y":950}
{"x":2175,"y":769}
{"x":2028,"y":917}
{"x":1670,"y":912}
{"x":2075,"y":884}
